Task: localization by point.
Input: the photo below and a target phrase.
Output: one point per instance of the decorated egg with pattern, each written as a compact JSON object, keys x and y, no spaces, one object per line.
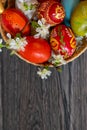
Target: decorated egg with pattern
{"x":63,"y":41}
{"x":52,"y":11}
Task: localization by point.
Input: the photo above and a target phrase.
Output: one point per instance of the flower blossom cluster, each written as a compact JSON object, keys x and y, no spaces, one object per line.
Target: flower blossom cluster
{"x":57,"y":59}
{"x":17,"y":43}
{"x":28,"y":7}
{"x":1,"y":45}
{"x":43,"y":29}
{"x":44,"y":73}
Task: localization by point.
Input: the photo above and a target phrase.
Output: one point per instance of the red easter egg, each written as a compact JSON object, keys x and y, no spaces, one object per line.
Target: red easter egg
{"x":42,"y":1}
{"x":13,"y":21}
{"x":52,"y":11}
{"x":37,"y":50}
{"x":63,"y":41}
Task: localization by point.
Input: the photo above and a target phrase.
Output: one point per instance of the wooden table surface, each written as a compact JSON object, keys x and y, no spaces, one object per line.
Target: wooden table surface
{"x":29,"y":103}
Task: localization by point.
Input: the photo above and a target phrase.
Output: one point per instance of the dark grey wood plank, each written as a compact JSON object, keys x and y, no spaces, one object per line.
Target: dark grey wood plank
{"x":29,"y":103}
{"x":0,"y":94}
{"x":58,"y":103}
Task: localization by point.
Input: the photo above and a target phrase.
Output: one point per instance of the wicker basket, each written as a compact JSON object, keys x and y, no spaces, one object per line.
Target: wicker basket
{"x":81,"y":48}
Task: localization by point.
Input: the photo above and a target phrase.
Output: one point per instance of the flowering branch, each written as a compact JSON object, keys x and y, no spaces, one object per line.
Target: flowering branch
{"x":16,"y":44}
{"x":44,"y":72}
{"x":42,"y":29}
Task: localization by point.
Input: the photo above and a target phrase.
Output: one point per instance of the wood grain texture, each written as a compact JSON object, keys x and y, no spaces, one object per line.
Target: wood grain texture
{"x":29,"y":103}
{"x":0,"y":97}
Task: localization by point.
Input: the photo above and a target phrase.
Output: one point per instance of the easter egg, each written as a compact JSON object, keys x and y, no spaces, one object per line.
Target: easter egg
{"x":52,"y":11}
{"x":37,"y":50}
{"x":14,"y":21}
{"x":63,"y":41}
{"x":79,"y":19}
{"x":41,"y":1}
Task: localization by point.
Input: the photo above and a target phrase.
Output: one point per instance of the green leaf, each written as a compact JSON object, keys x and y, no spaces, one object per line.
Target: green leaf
{"x":59,"y":69}
{"x":47,"y":67}
{"x":31,"y":7}
{"x":12,"y":53}
{"x":18,"y":35}
{"x":1,"y":45}
{"x":28,"y":7}
{"x":35,"y":24}
{"x":57,"y":63}
{"x":25,"y":6}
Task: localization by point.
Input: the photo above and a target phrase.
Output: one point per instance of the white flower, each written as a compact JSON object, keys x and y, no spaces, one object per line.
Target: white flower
{"x":0,"y":50}
{"x":43,"y":73}
{"x":29,"y":13}
{"x":43,"y":30}
{"x":1,"y":44}
{"x":9,"y":35}
{"x":27,"y":1}
{"x":21,"y":1}
{"x":1,"y":41}
{"x":28,"y":7}
{"x":17,"y":44}
{"x":57,"y":59}
{"x":79,"y":39}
